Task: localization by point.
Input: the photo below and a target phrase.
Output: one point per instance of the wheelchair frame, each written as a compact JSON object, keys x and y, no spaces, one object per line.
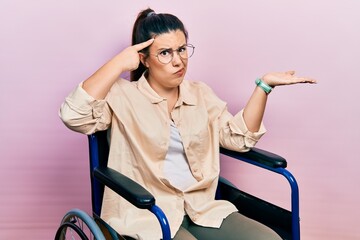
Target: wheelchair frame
{"x":102,"y":176}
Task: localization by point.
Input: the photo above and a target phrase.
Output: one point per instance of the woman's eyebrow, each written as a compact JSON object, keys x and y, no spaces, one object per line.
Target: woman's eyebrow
{"x":164,"y":48}
{"x":182,"y":45}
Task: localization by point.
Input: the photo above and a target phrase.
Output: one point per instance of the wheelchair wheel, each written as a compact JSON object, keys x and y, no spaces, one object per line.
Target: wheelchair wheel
{"x":78,"y":225}
{"x":69,"y":230}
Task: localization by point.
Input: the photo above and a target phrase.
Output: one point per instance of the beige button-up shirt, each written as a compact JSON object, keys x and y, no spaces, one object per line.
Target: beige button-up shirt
{"x":140,"y":133}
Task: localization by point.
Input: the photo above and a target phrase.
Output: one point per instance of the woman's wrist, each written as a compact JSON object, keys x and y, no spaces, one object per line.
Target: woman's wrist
{"x":263,"y":85}
{"x":118,"y":63}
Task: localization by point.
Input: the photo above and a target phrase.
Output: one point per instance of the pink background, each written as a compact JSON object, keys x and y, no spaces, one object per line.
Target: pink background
{"x":48,"y":46}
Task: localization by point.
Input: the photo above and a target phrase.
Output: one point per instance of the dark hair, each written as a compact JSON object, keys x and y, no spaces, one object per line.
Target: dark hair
{"x":149,"y":24}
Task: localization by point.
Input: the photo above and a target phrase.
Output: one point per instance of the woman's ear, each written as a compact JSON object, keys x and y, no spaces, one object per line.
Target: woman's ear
{"x":143,"y":60}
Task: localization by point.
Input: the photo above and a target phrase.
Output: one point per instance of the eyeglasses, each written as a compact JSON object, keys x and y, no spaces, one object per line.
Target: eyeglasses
{"x":165,"y":56}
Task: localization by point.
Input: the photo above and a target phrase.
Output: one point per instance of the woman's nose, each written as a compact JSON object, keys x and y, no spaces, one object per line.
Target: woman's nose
{"x":176,"y":59}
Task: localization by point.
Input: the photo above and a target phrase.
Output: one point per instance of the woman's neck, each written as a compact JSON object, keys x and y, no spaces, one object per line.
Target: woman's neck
{"x":170,"y":94}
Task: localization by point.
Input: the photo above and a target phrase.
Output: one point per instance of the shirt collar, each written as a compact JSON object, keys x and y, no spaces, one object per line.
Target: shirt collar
{"x":185,"y":95}
{"x":145,"y":88}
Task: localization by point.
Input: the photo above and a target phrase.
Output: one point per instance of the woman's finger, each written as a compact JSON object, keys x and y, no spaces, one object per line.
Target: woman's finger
{"x":305,"y":80}
{"x":141,"y":46}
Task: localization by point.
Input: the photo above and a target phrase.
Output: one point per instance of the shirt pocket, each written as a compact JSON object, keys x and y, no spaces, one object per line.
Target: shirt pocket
{"x":200,"y":139}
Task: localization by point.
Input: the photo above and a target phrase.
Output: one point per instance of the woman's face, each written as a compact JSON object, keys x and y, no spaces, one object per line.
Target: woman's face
{"x":164,"y":77}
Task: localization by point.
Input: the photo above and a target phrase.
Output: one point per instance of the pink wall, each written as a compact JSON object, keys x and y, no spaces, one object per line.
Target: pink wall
{"x":47,"y":47}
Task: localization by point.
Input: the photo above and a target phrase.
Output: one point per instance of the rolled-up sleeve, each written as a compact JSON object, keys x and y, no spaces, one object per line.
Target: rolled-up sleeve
{"x":82,"y":113}
{"x":237,"y":127}
{"x":235,"y":135}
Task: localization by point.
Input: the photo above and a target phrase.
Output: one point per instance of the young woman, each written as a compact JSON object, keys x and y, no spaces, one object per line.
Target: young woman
{"x":166,"y":133}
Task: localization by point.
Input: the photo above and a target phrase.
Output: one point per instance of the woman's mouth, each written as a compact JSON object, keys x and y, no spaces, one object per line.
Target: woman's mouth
{"x":180,"y":72}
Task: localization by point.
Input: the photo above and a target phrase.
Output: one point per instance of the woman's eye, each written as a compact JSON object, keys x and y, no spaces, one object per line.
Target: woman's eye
{"x":165,"y":53}
{"x":182,"y":49}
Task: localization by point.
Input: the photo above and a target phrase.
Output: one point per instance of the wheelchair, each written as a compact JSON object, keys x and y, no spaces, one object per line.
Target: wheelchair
{"x":77,"y":224}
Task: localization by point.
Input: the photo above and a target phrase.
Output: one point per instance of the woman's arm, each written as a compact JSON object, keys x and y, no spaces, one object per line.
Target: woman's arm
{"x":99,"y":84}
{"x":255,"y":107}
{"x":85,"y":109}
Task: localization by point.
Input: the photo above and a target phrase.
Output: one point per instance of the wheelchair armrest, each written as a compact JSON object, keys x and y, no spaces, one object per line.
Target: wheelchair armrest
{"x":125,"y":187}
{"x":259,"y":156}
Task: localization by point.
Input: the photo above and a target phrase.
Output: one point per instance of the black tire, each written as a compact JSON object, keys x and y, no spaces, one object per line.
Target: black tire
{"x":62,"y":232}
{"x":77,"y":224}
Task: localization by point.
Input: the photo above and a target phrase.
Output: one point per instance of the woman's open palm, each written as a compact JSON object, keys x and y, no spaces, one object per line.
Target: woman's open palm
{"x":285,"y":78}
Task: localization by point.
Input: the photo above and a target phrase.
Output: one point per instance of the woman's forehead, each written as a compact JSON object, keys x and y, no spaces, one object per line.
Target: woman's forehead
{"x":172,"y":39}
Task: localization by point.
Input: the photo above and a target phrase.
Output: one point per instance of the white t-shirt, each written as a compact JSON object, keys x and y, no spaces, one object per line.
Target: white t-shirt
{"x":176,"y":166}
